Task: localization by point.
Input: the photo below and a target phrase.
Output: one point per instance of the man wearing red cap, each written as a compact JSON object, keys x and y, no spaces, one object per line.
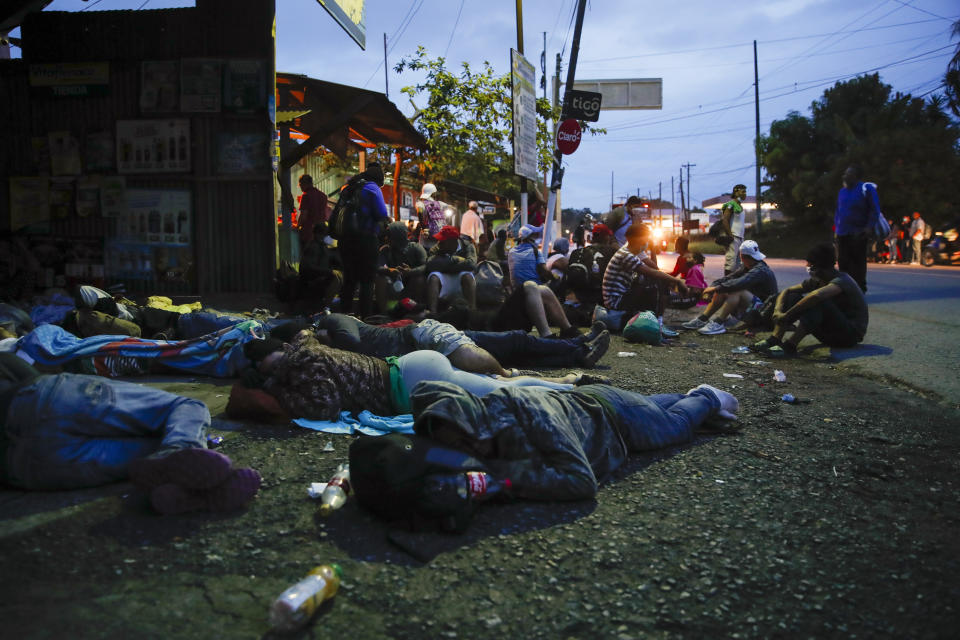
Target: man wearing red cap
{"x":450,"y":266}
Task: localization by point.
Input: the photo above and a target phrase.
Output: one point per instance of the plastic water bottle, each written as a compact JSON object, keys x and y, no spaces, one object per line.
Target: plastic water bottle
{"x":398,"y":285}
{"x":337,"y":491}
{"x":296,"y":605}
{"x":445,"y":493}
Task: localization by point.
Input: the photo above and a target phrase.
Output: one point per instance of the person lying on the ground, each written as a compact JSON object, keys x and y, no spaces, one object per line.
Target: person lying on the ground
{"x":68,"y":431}
{"x":475,"y":351}
{"x":829,"y":305}
{"x":450,"y":266}
{"x":314,"y":381}
{"x":400,"y":260}
{"x":216,"y":354}
{"x":560,"y":445}
{"x":736,"y":293}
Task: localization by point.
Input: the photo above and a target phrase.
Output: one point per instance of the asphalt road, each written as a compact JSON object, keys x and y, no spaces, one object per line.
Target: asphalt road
{"x":914,"y":329}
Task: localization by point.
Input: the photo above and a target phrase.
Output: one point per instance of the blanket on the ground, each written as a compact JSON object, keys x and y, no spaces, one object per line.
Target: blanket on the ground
{"x":218,"y":354}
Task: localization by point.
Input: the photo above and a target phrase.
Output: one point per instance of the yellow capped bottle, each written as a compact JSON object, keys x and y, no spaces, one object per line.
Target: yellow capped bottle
{"x":296,"y":605}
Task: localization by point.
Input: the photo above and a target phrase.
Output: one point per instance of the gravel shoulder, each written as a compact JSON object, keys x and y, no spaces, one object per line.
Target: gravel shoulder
{"x":836,"y":517}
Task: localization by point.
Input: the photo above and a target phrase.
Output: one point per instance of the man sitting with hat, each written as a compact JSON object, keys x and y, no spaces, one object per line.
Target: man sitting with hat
{"x":450,"y":266}
{"x":733,"y":294}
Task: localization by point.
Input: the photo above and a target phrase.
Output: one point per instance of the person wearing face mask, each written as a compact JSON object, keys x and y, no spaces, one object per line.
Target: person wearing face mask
{"x":632,"y":281}
{"x":829,"y":305}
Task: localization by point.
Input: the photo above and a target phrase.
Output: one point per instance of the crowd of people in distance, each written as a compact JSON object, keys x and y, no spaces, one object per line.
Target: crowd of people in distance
{"x":397,"y":318}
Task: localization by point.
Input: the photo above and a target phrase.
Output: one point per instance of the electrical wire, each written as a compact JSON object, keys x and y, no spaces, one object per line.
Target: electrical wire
{"x":454,"y":30}
{"x":90,"y":6}
{"x":744,"y":44}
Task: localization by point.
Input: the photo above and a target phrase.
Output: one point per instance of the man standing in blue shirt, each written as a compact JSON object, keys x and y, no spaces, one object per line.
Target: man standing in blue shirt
{"x":857,"y":203}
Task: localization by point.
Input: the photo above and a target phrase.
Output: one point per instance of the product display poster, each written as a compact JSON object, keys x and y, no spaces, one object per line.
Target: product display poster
{"x":200,"y":85}
{"x":113,"y":196}
{"x":29,"y":202}
{"x":88,"y":196}
{"x":242,"y":152}
{"x":64,"y":153}
{"x":159,"y":86}
{"x":156,"y":216}
{"x":243,"y":86}
{"x":62,"y":198}
{"x":99,"y":152}
{"x":153,"y":146}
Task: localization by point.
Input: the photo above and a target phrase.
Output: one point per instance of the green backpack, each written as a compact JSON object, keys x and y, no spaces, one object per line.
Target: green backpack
{"x":643,"y":327}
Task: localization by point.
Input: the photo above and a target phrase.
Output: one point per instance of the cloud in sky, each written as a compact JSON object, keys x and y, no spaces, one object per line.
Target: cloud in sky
{"x":703,"y":50}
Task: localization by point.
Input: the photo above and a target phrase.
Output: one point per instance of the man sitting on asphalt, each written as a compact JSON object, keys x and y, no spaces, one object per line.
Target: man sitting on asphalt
{"x":632,"y":281}
{"x":830,"y":305}
{"x":401,"y":261}
{"x":734,"y":294}
{"x":473,"y":351}
{"x":450,"y":266}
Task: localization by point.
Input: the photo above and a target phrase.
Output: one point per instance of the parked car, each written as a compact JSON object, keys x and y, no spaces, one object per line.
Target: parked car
{"x":944,"y":247}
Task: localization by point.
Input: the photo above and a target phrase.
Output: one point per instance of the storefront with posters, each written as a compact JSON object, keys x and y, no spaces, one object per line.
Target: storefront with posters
{"x":139,"y":147}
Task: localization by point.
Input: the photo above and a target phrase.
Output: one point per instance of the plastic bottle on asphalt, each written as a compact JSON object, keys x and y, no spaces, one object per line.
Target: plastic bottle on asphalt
{"x":296,"y":605}
{"x":442,"y":493}
{"x":337,"y":491}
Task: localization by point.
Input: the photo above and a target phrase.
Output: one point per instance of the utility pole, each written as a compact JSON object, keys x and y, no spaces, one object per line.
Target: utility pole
{"x":611,"y":189}
{"x":523,"y":180}
{"x":683,"y":204}
{"x":386,"y":76}
{"x":756,"y":142}
{"x":556,"y":178}
{"x":689,"y":190}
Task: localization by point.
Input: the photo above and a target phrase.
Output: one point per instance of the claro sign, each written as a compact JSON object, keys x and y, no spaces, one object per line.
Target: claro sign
{"x":568,"y":136}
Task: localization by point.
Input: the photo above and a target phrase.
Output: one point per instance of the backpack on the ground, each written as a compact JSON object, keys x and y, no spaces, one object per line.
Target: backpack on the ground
{"x":389,"y":475}
{"x":347,"y":216}
{"x":643,"y":327}
{"x":489,"y":279}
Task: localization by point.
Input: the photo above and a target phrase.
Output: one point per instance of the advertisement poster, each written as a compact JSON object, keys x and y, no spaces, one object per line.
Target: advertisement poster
{"x":156,"y":216}
{"x":29,"y":202}
{"x":88,"y":196}
{"x":243,"y":86}
{"x":64,"y":153}
{"x":159,"y":86}
{"x":199,"y":85}
{"x":242,"y":152}
{"x":153,"y":146}
{"x":523,"y":76}
{"x":62,"y":198}
{"x":40,"y":154}
{"x":113,"y":196}
{"x":99,"y":153}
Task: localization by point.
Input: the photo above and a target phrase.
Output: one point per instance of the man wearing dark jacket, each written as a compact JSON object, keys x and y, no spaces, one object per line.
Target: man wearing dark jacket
{"x":560,"y":445}
{"x":733,"y":294}
{"x":401,"y":262}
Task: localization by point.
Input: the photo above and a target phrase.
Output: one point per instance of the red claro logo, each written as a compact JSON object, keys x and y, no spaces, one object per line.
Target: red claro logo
{"x":568,"y":136}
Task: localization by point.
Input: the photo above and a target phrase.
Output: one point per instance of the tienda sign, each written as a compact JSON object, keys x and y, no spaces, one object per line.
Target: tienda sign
{"x":568,"y":136}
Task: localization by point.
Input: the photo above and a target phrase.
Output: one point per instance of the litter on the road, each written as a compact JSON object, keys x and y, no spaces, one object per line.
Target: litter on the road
{"x":779,"y":375}
{"x":740,"y":349}
{"x":626,"y":354}
{"x":732,"y":375}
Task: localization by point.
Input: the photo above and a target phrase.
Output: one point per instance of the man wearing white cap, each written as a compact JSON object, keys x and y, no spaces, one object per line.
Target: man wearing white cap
{"x":737,"y":292}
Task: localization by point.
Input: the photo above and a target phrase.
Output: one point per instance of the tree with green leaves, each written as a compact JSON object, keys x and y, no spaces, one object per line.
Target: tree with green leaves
{"x":906,"y":145}
{"x":467,"y":122}
{"x":951,"y":80}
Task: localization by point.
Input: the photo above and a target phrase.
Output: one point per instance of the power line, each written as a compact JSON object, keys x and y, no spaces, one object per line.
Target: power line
{"x":745,"y":44}
{"x":454,"y":30}
{"x":929,"y":13}
{"x":812,"y":83}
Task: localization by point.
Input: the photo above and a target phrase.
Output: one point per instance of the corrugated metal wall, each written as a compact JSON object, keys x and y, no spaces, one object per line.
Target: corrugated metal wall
{"x":234,"y":234}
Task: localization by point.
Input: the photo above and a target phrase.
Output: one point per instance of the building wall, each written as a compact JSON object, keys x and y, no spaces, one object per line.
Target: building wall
{"x":228,"y":189}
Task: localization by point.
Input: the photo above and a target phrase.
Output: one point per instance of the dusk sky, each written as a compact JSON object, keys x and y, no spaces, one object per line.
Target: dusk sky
{"x":703,"y":53}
